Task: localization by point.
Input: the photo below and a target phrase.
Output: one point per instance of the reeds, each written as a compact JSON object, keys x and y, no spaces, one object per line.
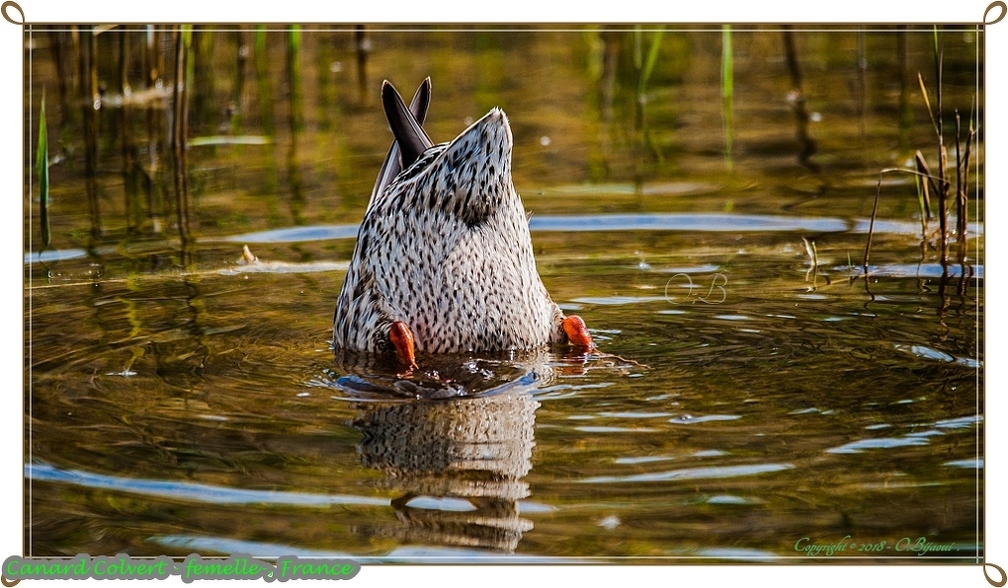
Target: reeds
{"x":42,"y":165}
{"x":807,"y":146}
{"x":237,"y":107}
{"x":129,"y":164}
{"x":363,"y":45}
{"x":860,"y":86}
{"x":263,"y":87}
{"x":90,"y":103}
{"x":727,"y":92}
{"x":644,"y":66}
{"x":152,"y":65}
{"x":63,"y":73}
{"x":180,"y":98}
{"x":296,"y":120}
{"x":940,"y":185}
{"x":962,"y":182}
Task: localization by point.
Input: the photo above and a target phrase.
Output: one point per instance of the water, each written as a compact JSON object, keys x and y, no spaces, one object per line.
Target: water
{"x":743,"y":397}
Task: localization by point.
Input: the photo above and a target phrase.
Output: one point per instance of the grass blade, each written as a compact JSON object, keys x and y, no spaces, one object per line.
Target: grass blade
{"x":927,"y":102}
{"x":652,"y":57}
{"x":925,"y":179}
{"x":42,"y":164}
{"x":727,"y":91}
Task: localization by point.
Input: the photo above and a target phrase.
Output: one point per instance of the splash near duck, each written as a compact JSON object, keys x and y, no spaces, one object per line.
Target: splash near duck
{"x":443,"y":261}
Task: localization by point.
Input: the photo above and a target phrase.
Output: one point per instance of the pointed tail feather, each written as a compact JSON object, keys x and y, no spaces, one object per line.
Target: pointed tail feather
{"x":408,"y":133}
{"x":393,"y":163}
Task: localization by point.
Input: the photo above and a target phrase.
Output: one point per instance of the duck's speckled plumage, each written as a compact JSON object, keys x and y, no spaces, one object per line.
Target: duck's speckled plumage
{"x":445,"y":248}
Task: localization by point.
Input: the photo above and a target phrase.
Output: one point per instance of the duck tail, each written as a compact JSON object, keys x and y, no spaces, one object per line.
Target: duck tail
{"x":409,"y":134}
{"x":393,"y":163}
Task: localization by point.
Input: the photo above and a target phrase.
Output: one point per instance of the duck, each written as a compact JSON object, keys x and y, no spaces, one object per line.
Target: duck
{"x":443,"y":261}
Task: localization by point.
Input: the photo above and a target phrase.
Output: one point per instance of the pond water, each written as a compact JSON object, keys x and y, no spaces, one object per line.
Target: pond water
{"x":751,"y":389}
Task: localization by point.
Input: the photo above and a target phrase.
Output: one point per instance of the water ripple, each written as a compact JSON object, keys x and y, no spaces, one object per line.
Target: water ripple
{"x":54,"y":255}
{"x":708,"y":473}
{"x":189,"y":491}
{"x":914,"y":270}
{"x":738,"y":553}
{"x":404,"y":554}
{"x":728,"y":499}
{"x":693,"y":420}
{"x":298,"y":234}
{"x":444,"y":503}
{"x":619,"y":300}
{"x":883,"y":443}
{"x":972,"y":464}
{"x":924,"y":352}
{"x":702,"y":222}
{"x":959,"y":423}
{"x":692,"y":222}
{"x":914,"y":439}
{"x":284,"y":267}
{"x":601,"y":429}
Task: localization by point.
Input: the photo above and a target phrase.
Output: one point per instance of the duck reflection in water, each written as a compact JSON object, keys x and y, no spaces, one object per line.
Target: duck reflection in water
{"x":465,"y":457}
{"x":454,"y":449}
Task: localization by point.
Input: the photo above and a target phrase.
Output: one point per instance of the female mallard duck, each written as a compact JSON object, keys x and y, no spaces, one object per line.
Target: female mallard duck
{"x":443,"y":261}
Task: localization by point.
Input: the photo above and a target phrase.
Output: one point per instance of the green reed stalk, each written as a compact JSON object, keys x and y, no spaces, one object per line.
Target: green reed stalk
{"x":294,"y":76}
{"x":943,"y":184}
{"x":652,"y":59}
{"x":42,"y":164}
{"x":265,"y":93}
{"x":727,"y":91}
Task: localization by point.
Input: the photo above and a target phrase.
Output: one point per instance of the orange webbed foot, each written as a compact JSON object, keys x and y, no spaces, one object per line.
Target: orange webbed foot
{"x":577,"y":332}
{"x":402,"y":339}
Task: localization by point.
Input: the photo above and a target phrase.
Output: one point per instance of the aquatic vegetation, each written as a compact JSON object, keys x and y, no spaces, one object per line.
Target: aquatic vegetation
{"x":727,"y":92}
{"x":926,"y":182}
{"x":42,"y":167}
